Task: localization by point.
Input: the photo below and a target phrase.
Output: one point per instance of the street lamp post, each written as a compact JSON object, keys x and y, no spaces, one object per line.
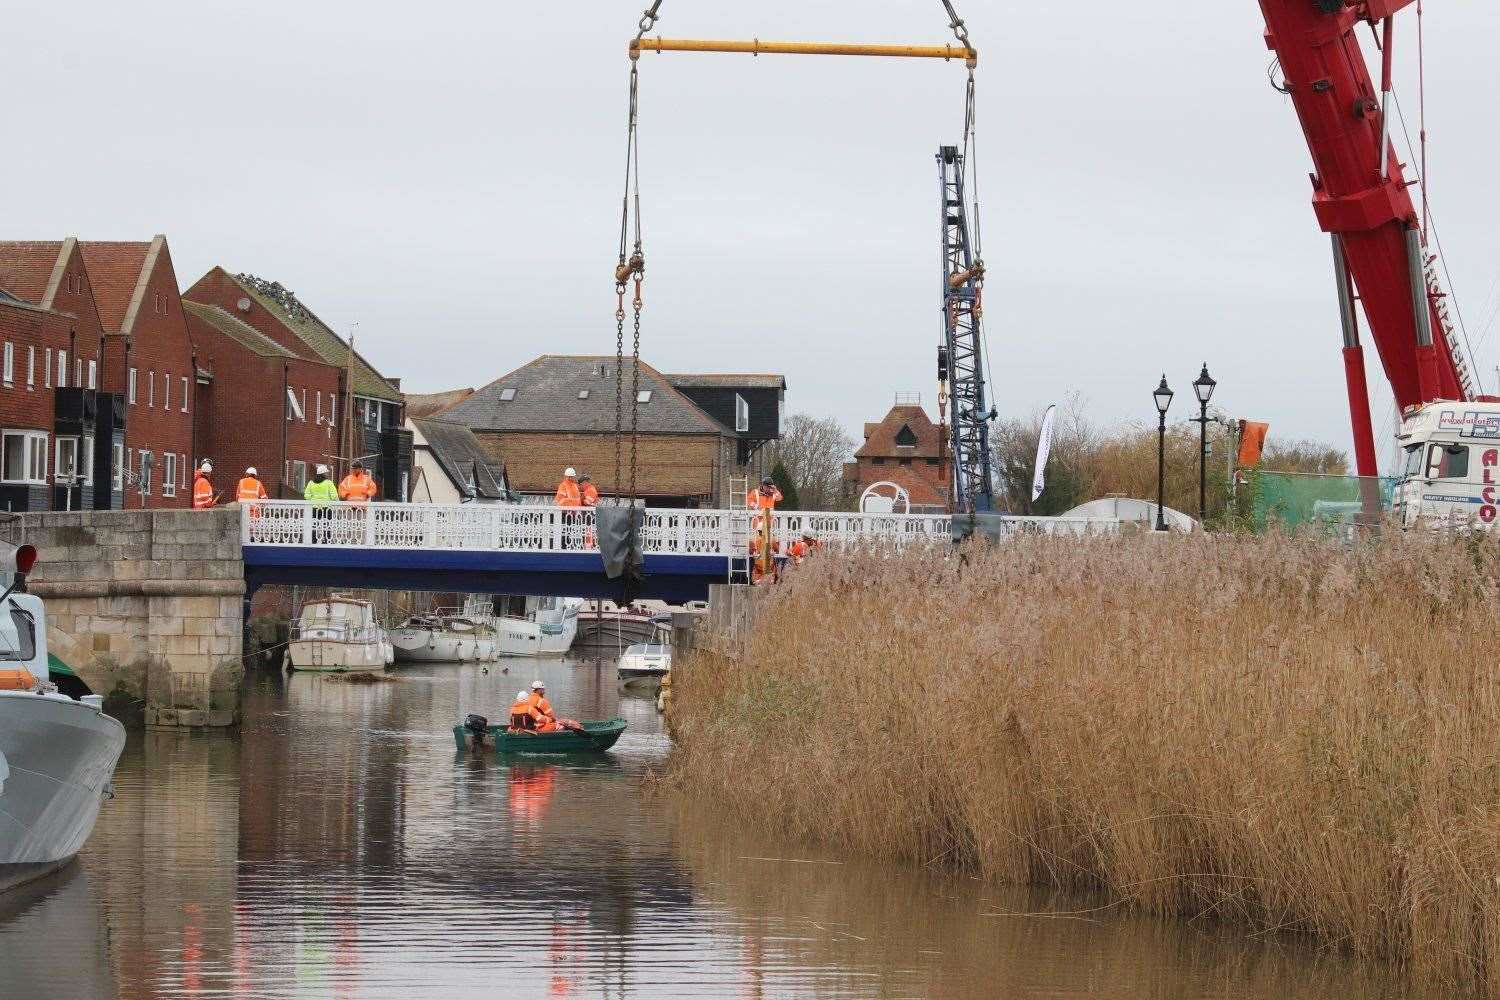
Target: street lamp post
{"x":1203,"y":388}
{"x":1163,"y":397}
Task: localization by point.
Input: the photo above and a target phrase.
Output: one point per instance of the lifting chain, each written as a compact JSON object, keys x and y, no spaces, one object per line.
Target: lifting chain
{"x":630,"y":267}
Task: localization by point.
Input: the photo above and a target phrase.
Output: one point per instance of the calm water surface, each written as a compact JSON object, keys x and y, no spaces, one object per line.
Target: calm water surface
{"x":339,"y":847}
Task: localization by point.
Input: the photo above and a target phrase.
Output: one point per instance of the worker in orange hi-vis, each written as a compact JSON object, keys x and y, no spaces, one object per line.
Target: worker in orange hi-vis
{"x":568,"y":493}
{"x":251,"y":489}
{"x":588,"y":493}
{"x":358,"y":486}
{"x":765,"y":496}
{"x":203,"y":487}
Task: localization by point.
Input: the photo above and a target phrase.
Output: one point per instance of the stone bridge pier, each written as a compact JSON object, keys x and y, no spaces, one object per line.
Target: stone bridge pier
{"x":146,"y":607}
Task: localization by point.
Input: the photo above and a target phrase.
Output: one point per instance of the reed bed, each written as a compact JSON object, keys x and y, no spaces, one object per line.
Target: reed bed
{"x":1292,"y":733}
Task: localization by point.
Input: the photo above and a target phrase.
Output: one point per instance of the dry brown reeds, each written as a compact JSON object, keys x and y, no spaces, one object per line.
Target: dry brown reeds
{"x":1288,"y":732}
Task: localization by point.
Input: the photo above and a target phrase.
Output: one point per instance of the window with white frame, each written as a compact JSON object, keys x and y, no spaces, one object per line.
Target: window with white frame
{"x":303,"y":415}
{"x":741,"y":413}
{"x":166,"y":394}
{"x":333,"y":409}
{"x":88,"y":461}
{"x":47,"y":368}
{"x":319,"y":394}
{"x":299,"y":476}
{"x":62,"y":369}
{"x":65,"y":464}
{"x":10,"y":362}
{"x":93,"y":374}
{"x":293,"y":405}
{"x":151,"y":387}
{"x":182,"y":469}
{"x":30,"y":367}
{"x":130,"y":387}
{"x":183,"y":380}
{"x":169,"y":474}
{"x":144,"y":479}
{"x":78,"y":370}
{"x":117,"y":468}
{"x":23,"y":457}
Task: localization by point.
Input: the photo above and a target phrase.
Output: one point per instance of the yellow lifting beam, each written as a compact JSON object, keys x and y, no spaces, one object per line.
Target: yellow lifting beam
{"x":755,"y":47}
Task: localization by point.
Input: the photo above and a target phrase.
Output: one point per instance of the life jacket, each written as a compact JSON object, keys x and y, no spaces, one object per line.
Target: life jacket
{"x":521,"y":716}
{"x":203,"y":492}
{"x":568,"y":495}
{"x":540,"y":705}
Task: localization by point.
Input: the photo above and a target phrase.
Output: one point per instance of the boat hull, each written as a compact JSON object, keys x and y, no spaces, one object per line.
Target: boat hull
{"x":596,"y":737}
{"x":420,"y":645}
{"x":611,"y":630}
{"x":333,"y":656}
{"x":57,"y":757}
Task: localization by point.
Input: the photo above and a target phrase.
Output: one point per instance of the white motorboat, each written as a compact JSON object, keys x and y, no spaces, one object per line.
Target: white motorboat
{"x":57,"y":755}
{"x":339,"y":634}
{"x":530,"y":626}
{"x":604,"y":625}
{"x":646,"y":662}
{"x":439,"y":638}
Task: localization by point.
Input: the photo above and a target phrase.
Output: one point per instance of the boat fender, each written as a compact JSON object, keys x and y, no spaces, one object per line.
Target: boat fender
{"x":477,"y":725}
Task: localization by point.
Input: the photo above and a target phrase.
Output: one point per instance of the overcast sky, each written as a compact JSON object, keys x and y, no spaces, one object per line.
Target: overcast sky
{"x":447,"y":175}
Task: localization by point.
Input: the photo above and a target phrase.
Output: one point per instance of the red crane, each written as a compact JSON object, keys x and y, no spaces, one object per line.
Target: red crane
{"x":1361,"y":198}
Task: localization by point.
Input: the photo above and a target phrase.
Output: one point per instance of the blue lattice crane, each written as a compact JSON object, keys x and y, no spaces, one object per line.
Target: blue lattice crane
{"x":960,"y":354}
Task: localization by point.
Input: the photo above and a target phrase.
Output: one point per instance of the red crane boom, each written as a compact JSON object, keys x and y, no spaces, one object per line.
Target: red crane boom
{"x":1361,"y":198}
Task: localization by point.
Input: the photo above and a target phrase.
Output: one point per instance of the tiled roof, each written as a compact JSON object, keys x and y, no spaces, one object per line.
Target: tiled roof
{"x":234,"y":328}
{"x":26,"y":267}
{"x":546,"y":398}
{"x":435,"y":403}
{"x":880,"y":439}
{"x":115,"y":271}
{"x":460,"y":454}
{"x":727,"y":381}
{"x":332,"y":348}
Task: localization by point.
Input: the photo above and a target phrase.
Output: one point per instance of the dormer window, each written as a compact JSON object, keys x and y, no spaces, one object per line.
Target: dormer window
{"x":905,"y":438}
{"x":506,"y":395}
{"x":644,"y":396}
{"x":583,"y":394}
{"x":741,"y":414}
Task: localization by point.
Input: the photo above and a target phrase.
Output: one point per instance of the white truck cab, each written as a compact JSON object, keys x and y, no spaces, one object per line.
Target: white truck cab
{"x":1451,"y":474}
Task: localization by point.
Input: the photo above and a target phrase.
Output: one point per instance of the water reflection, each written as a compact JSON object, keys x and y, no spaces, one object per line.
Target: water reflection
{"x":341,"y":847}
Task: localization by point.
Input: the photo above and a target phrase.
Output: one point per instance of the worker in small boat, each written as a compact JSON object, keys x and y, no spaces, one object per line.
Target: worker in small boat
{"x":203,"y":487}
{"x":568,"y":494}
{"x":522,"y":714}
{"x":358,"y":486}
{"x":546,"y":719}
{"x":765,"y":496}
{"x":249,"y":490}
{"x":588,"y":493}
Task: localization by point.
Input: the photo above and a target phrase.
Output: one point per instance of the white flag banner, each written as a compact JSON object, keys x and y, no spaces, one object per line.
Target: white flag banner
{"x":1043,"y":450}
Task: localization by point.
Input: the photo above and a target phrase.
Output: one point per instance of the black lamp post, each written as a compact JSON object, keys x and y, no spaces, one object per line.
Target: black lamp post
{"x":1203,"y":388}
{"x":1163,"y":397}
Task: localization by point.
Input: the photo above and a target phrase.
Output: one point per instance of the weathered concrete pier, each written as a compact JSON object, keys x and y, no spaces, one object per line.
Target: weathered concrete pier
{"x":146,"y":607}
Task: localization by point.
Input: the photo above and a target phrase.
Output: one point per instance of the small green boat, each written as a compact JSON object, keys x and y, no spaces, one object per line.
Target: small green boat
{"x":595,"y":737}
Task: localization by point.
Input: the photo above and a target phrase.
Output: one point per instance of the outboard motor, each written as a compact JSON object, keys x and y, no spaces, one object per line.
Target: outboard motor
{"x":478,"y":726}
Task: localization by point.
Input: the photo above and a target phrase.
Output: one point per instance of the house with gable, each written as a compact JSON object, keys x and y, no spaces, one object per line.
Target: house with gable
{"x":558,"y":411}
{"x":905,"y":448}
{"x":375,"y":434}
{"x":58,"y":430}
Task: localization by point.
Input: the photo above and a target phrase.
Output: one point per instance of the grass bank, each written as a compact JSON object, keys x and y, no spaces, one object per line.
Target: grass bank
{"x":1283,"y":732}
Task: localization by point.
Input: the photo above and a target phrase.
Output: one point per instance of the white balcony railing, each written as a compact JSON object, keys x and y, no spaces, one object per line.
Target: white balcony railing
{"x":533,"y":528}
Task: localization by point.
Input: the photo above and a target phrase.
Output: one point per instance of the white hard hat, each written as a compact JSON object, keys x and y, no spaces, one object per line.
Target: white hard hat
{"x":322,"y":469}
{"x":520,"y":696}
{"x":207,"y":466}
{"x":538,"y":686}
{"x":251,"y":471}
{"x":569,"y":472}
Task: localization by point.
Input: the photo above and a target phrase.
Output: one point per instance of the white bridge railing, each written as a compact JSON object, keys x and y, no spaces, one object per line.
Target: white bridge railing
{"x":532,"y":528}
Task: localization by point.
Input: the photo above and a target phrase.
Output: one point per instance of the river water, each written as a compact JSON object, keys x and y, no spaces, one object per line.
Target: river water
{"x":340,"y":847}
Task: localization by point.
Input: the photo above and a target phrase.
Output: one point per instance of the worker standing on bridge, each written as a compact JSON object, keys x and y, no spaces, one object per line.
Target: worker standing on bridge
{"x":358,"y":486}
{"x":588,"y":493}
{"x":764,"y":497}
{"x":569,"y":497}
{"x":203,"y":487}
{"x":250,"y":490}
{"x":321,"y":493}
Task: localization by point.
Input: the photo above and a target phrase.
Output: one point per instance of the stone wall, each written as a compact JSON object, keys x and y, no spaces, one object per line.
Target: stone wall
{"x":146,"y":607}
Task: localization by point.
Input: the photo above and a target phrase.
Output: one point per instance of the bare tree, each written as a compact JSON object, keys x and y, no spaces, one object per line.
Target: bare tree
{"x":814,"y":451}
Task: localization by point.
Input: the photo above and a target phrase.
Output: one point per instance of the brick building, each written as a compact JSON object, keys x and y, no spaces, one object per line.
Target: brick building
{"x":559,"y":411}
{"x":376,"y":434}
{"x":148,"y":361}
{"x":264,"y":407}
{"x":905,"y":448}
{"x":58,"y":428}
